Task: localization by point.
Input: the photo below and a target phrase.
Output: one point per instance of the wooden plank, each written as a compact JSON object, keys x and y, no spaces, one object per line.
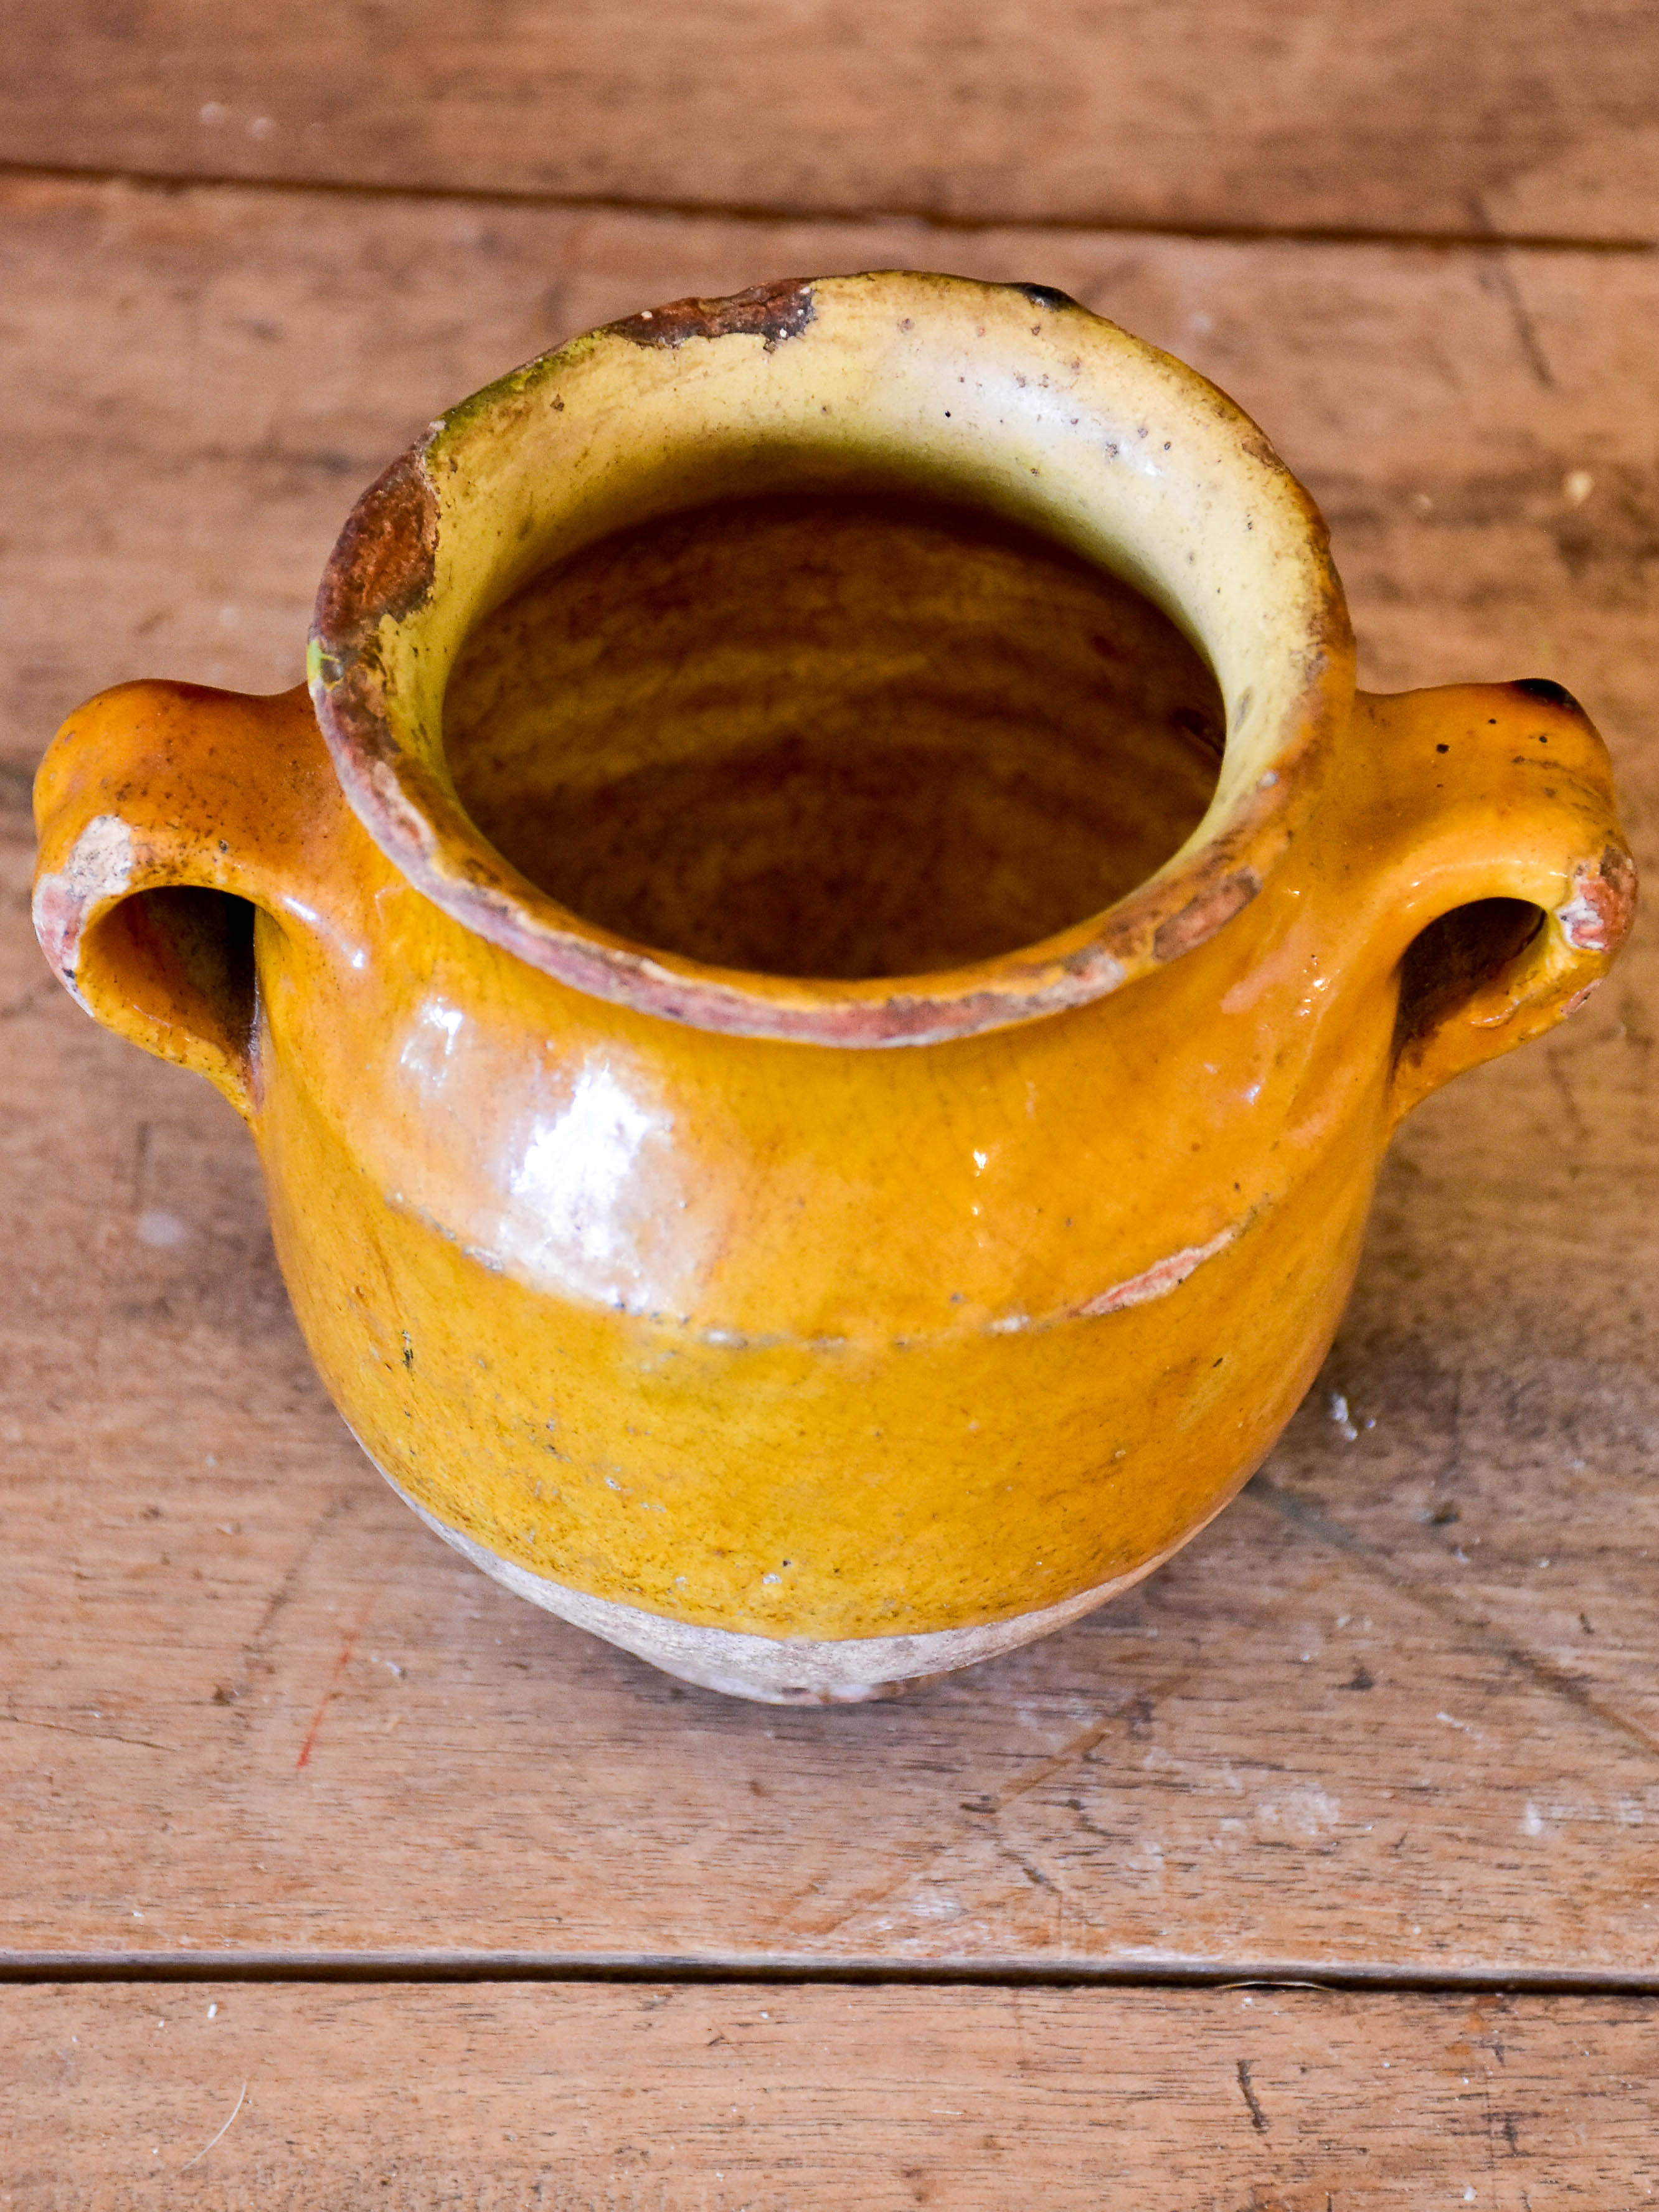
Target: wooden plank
{"x":1344,"y":1729}
{"x":772,"y":2097}
{"x":1513,"y":116}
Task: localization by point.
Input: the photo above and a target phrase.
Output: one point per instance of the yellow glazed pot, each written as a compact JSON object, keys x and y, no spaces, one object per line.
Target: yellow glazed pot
{"x":823,"y":975}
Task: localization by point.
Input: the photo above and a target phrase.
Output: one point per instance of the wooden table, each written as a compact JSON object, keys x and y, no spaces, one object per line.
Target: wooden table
{"x":1322,"y":1871}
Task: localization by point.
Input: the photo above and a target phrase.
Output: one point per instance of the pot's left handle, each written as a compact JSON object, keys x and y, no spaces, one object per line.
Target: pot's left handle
{"x":167,"y":813}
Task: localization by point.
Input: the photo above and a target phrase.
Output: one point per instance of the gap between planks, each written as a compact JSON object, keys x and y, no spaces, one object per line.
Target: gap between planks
{"x":420,"y":1967}
{"x":1486,"y":241}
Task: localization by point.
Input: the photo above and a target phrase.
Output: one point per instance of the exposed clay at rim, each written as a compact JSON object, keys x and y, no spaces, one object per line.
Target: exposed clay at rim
{"x":774,"y":311}
{"x":386,"y":561}
{"x":487,"y":894}
{"x":490,"y":896}
{"x":1598,"y":916}
{"x":1202,"y":917}
{"x":630,"y":976}
{"x":405,"y":804}
{"x":495,"y":901}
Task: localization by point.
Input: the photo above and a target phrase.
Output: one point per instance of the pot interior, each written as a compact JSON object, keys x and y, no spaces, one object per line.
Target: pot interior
{"x":832,"y":736}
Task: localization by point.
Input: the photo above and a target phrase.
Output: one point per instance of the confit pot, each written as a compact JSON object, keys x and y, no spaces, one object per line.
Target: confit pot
{"x":823,"y":974}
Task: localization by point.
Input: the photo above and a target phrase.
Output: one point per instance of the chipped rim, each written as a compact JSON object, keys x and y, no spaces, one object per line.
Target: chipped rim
{"x":426,"y":553}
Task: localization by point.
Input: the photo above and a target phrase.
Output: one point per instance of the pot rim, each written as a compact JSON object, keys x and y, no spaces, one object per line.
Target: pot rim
{"x":1061,"y":420}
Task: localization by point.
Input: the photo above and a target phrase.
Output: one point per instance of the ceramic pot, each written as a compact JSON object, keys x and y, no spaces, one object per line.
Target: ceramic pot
{"x":823,"y":974}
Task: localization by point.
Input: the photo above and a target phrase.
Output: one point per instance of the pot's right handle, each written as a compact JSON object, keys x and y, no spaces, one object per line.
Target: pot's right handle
{"x":167,"y":813}
{"x":1481,"y":839}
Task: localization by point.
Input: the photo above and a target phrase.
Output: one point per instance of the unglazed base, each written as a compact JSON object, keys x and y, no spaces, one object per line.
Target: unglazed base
{"x":777,"y":1671}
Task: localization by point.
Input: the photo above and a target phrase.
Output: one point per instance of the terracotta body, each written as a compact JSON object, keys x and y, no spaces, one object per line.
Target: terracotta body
{"x":817,"y":1122}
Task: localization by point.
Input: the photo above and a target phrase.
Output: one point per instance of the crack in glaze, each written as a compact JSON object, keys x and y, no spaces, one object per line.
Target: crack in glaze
{"x":1158,"y":1280}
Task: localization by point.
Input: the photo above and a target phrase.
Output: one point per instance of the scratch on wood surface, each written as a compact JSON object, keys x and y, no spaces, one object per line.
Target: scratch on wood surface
{"x":91,"y":1735}
{"x":223,"y":2132}
{"x":253,"y":1651}
{"x":1079,"y":1747}
{"x":1502,"y":282}
{"x":1034,"y":1874}
{"x":1526,"y":330}
{"x":1308,"y":1518}
{"x":42,"y":995}
{"x":1562,"y":1082}
{"x":282,"y":1595}
{"x":1136,"y":1712}
{"x":1258,"y":2117}
{"x":348,"y":1645}
{"x":1038,"y":1879}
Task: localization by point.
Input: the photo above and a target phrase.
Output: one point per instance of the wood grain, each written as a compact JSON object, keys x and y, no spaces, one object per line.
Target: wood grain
{"x":1522,"y":117}
{"x":1396,"y":1709}
{"x":676,"y":2097}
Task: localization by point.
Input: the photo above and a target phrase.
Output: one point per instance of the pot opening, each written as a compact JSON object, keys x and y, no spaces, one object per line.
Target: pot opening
{"x":836,"y":736}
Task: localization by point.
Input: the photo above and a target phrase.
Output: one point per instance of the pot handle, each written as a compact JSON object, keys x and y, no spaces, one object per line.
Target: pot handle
{"x":167,"y":813}
{"x":1486,"y":852}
